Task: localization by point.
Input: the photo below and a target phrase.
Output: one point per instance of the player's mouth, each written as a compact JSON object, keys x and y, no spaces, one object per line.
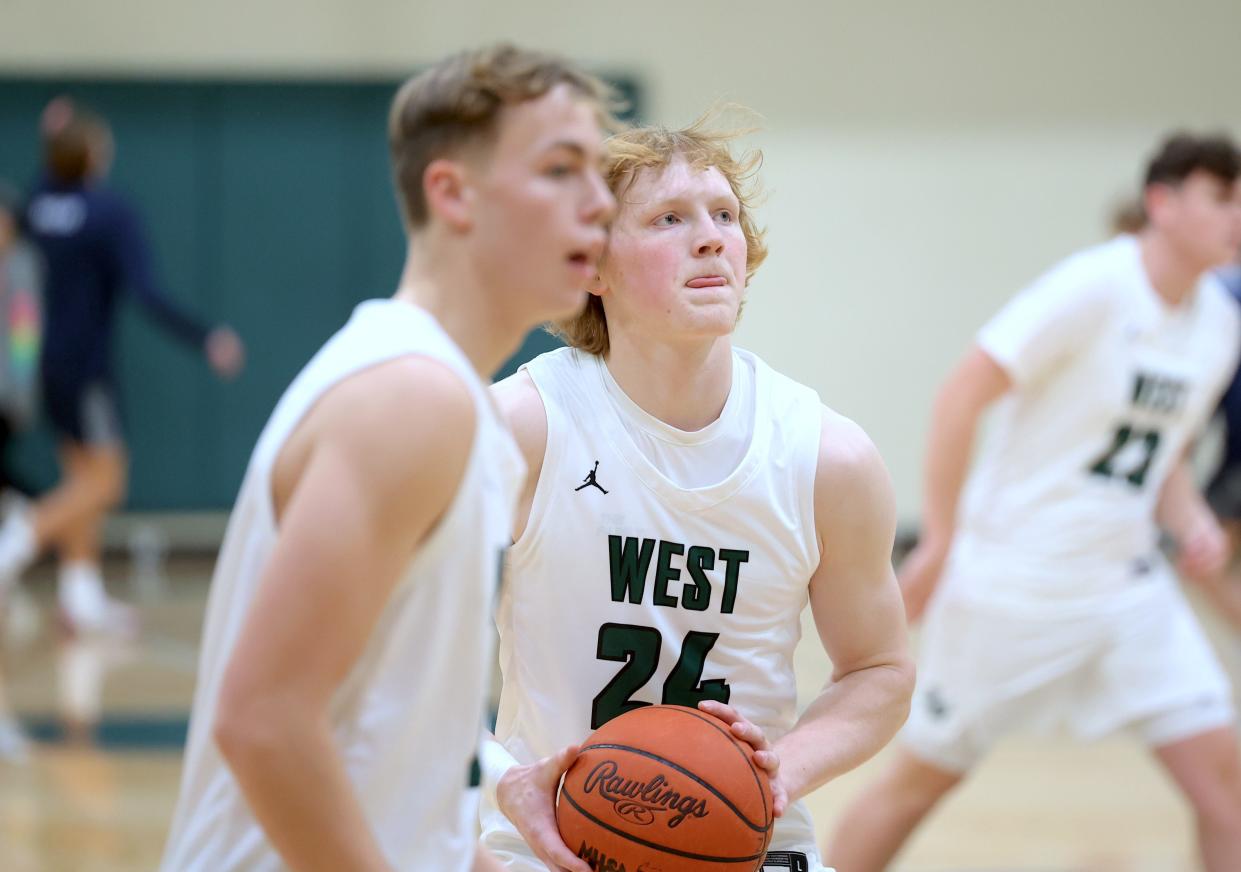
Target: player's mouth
{"x":586,"y":260}
{"x":707,"y":282}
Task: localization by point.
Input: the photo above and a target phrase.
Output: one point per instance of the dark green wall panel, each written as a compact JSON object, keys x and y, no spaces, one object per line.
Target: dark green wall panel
{"x":268,"y":205}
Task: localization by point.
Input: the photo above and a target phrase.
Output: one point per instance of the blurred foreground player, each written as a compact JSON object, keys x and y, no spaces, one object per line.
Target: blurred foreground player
{"x":342,"y":678}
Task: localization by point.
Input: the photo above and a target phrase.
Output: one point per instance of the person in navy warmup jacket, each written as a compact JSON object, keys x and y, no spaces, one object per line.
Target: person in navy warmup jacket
{"x":95,"y":251}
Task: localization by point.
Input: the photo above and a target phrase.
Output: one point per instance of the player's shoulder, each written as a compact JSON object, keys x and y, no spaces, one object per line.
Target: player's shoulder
{"x":540,"y":380}
{"x":522,"y":392}
{"x":852,"y":483}
{"x":846,"y":450}
{"x":1089,"y":286}
{"x":524,"y":396}
{"x":1101,"y":267}
{"x":399,"y":436}
{"x":518,"y":398}
{"x":521,"y":405}
{"x":110,"y":203}
{"x":1217,"y":300}
{"x":397,"y":385}
{"x":1219,"y":317}
{"x":112,"y":214}
{"x":784,"y":391}
{"x":1110,"y":254}
{"x":394,"y":406}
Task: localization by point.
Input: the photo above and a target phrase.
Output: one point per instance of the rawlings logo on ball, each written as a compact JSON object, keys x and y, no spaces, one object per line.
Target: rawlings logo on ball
{"x":638,"y":801}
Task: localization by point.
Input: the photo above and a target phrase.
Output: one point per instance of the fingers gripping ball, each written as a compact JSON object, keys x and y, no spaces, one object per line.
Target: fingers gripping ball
{"x":666,"y":789}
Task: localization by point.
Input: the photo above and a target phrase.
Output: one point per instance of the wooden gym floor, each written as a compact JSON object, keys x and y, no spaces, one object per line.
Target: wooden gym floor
{"x":96,"y":789}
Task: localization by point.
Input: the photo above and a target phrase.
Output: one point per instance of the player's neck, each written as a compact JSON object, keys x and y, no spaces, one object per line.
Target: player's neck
{"x":446,"y":287}
{"x":684,"y":386}
{"x":1172,"y":278}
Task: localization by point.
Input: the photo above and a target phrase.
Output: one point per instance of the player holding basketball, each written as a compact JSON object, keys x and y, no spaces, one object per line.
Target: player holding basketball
{"x":726,"y":497}
{"x":347,"y":639}
{"x":1057,"y":606}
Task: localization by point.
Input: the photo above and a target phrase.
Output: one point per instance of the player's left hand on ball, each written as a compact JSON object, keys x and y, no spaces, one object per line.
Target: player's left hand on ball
{"x":527,"y":796}
{"x":764,"y":755}
{"x":1203,"y":554}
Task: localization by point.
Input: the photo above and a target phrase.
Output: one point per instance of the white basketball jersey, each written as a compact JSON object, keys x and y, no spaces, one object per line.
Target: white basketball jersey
{"x":407,"y":717}
{"x":627,"y":590}
{"x":1110,"y":384}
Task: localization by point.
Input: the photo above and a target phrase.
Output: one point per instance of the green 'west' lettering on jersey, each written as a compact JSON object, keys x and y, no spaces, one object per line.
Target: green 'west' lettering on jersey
{"x":629,"y":565}
{"x":732,"y":561}
{"x":630,"y":561}
{"x":666,"y":572}
{"x":1159,"y":393}
{"x":697,"y":562}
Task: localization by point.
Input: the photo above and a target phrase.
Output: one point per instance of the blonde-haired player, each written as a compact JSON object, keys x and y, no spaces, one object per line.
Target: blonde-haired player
{"x":341,"y":685}
{"x":685,"y":503}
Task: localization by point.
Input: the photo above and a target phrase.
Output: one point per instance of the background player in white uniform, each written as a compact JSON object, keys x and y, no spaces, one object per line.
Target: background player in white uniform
{"x":1057,"y":607}
{"x":346,"y":645}
{"x":685,"y":504}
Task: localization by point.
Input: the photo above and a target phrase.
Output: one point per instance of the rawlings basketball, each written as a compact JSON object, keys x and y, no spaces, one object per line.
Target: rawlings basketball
{"x":666,"y":789}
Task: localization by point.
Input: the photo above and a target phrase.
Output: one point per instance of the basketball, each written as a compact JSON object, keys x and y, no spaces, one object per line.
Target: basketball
{"x":666,"y":788}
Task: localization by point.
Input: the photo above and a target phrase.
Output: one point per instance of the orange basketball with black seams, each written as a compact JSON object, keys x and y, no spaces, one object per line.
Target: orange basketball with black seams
{"x":666,"y":789}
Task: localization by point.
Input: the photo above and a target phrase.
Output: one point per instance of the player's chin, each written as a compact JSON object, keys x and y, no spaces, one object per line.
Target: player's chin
{"x":569,"y":302}
{"x":713,"y":328}
{"x":719,"y":315}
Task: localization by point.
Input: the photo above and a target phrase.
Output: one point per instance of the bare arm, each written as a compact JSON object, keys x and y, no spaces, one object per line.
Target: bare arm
{"x":857,"y":609}
{"x":383,"y":454}
{"x":527,"y":794}
{"x":976,"y":383}
{"x":1202,"y":546}
{"x":523,"y":409}
{"x":1181,"y":509}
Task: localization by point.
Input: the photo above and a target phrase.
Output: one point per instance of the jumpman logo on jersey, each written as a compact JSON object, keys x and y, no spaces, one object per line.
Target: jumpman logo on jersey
{"x":589,"y":480}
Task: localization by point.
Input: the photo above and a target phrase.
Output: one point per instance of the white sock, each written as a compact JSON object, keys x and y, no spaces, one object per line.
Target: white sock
{"x":17,"y":547}
{"x":81,"y":672}
{"x":80,"y":590}
{"x":12,"y":501}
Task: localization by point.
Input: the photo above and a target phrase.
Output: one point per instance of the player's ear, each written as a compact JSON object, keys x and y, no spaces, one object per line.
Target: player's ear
{"x":600,"y":286}
{"x":448,"y":193}
{"x":1156,"y":199}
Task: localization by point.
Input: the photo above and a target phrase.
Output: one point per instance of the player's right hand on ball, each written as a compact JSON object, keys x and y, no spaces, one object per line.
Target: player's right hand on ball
{"x":527,"y":796}
{"x":764,"y":754}
{"x":919,"y":575}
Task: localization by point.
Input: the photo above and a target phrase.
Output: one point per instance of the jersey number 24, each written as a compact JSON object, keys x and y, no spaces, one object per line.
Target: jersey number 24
{"x":638,"y":648}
